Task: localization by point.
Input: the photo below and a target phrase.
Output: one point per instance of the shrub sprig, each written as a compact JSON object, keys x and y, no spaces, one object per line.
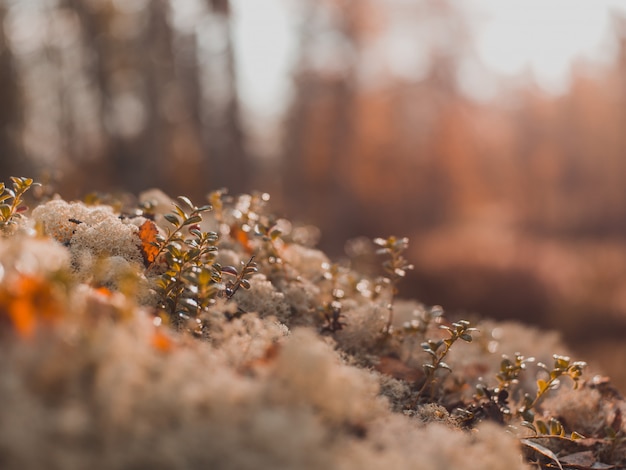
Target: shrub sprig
{"x":395,"y":268}
{"x":11,"y":199}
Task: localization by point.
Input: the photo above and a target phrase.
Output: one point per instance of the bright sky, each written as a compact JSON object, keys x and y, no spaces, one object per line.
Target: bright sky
{"x":513,"y":37}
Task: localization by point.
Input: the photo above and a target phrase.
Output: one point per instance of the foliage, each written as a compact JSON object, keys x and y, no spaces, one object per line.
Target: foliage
{"x":437,"y":351}
{"x":563,"y":367}
{"x":331,"y":310}
{"x":395,"y":268}
{"x":11,"y":199}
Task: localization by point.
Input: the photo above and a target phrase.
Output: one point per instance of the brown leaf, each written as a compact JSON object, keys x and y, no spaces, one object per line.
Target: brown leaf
{"x":542,"y":450}
{"x":584,"y":461}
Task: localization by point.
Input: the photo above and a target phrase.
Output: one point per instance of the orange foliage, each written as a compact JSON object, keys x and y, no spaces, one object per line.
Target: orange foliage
{"x":28,"y":302}
{"x":105,"y":292}
{"x":161,"y":341}
{"x":147,"y":234}
{"x":242,"y":238}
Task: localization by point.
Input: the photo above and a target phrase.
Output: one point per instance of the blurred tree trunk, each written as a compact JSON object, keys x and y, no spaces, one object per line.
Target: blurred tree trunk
{"x":98,"y":50}
{"x":228,"y":165}
{"x":156,"y":67}
{"x":320,"y":126}
{"x":12,"y":160}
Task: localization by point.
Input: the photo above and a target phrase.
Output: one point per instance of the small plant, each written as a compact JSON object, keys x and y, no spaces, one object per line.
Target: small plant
{"x":395,"y":269}
{"x":179,"y":220}
{"x":331,"y":310}
{"x":240,"y":278}
{"x":246,"y":221}
{"x":510,"y":370}
{"x":271,"y":236}
{"x":497,"y":399}
{"x":437,"y":350}
{"x":11,"y":202}
{"x":191,"y":279}
{"x":563,"y":367}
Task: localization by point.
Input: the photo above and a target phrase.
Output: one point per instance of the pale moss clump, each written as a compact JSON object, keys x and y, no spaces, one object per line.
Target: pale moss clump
{"x":587,"y":411}
{"x":263,"y":298}
{"x":364,"y":324}
{"x":309,"y":372}
{"x":98,"y":229}
{"x":405,"y":443}
{"x":32,"y":256}
{"x":104,"y":249}
{"x":308,"y":262}
{"x":302,"y":296}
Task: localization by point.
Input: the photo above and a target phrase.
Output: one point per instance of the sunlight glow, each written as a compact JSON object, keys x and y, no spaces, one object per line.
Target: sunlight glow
{"x":265,"y":39}
{"x":544,"y":37}
{"x":527,"y":39}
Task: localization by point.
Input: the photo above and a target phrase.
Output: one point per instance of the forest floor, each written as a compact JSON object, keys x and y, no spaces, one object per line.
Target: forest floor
{"x":153,"y":333}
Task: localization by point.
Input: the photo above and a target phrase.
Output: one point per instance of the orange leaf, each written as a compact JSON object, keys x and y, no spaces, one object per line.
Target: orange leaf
{"x":31,"y":300}
{"x":21,"y":314}
{"x":148,"y":235}
{"x":242,"y":237}
{"x":103,"y":291}
{"x":161,"y":341}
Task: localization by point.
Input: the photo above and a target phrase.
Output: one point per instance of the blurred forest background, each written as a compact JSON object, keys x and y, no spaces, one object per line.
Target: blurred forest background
{"x":515,"y":205}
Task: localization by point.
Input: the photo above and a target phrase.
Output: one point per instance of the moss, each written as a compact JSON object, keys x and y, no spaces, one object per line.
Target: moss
{"x":101,"y":366}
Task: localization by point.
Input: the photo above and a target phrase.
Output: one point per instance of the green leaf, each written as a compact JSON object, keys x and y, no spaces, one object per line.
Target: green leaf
{"x":542,"y":385}
{"x":172,"y":219}
{"x":542,"y":427}
{"x":556,"y":428}
{"x":466,"y":337}
{"x":561,"y":362}
{"x":528,"y":415}
{"x":5,"y":211}
{"x":230,"y":270}
{"x":529,"y":425}
{"x":204,"y":276}
{"x":194,"y":219}
{"x":186,"y":201}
